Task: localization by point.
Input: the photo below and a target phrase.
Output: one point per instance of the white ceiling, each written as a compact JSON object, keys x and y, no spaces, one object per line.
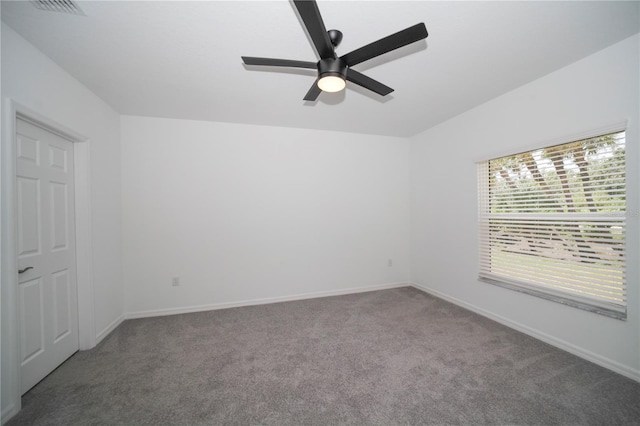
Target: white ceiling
{"x":182,"y":59}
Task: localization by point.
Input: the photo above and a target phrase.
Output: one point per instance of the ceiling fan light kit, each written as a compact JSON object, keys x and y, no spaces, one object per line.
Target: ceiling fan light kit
{"x":331,"y":83}
{"x":332,"y":74}
{"x":334,"y":71}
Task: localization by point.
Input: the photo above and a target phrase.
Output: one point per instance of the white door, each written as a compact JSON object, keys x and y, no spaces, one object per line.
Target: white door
{"x":47,"y":295}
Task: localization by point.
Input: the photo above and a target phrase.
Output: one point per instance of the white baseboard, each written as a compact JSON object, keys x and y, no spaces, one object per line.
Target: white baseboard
{"x":108,"y":329}
{"x":253,"y":302}
{"x":559,"y":343}
{"x":8,"y":413}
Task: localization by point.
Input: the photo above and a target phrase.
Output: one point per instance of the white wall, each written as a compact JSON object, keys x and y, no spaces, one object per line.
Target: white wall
{"x":34,"y":81}
{"x":599,"y":90}
{"x":246,"y":213}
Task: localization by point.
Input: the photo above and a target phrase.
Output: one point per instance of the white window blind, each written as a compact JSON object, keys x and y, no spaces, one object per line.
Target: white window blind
{"x":552,"y":223}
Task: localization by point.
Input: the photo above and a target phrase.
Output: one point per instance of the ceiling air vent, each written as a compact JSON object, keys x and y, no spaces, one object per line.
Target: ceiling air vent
{"x":61,"y":6}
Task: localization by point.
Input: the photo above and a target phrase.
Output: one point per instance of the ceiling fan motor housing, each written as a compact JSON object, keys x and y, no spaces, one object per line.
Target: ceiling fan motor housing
{"x":332,"y":67}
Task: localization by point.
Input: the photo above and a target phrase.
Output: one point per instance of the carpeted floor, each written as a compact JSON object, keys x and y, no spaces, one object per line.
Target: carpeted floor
{"x":387,"y":357}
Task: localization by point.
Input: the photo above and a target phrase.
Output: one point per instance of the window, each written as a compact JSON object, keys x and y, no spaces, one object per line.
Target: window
{"x":552,"y":223}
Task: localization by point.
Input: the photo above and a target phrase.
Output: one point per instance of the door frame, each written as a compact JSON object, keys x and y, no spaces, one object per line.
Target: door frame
{"x":9,"y":264}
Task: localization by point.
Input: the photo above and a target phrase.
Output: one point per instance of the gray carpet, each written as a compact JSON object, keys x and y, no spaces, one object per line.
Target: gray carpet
{"x":387,"y":357}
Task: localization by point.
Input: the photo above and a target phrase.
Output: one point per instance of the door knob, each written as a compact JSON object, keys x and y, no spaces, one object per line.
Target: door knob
{"x":22,"y":271}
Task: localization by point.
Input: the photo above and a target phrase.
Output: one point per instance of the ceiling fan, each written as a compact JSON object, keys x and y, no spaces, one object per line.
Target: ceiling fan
{"x":333,"y":71}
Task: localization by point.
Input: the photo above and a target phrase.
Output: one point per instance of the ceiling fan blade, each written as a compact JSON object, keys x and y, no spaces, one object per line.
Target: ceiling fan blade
{"x":313,"y":92}
{"x":310,"y":14}
{"x":386,"y":44}
{"x":368,"y":83}
{"x":249,"y":60}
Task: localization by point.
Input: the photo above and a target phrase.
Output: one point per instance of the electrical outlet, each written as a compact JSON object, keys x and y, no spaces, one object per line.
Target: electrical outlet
{"x":175,"y":281}
{"x":390,"y":262}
